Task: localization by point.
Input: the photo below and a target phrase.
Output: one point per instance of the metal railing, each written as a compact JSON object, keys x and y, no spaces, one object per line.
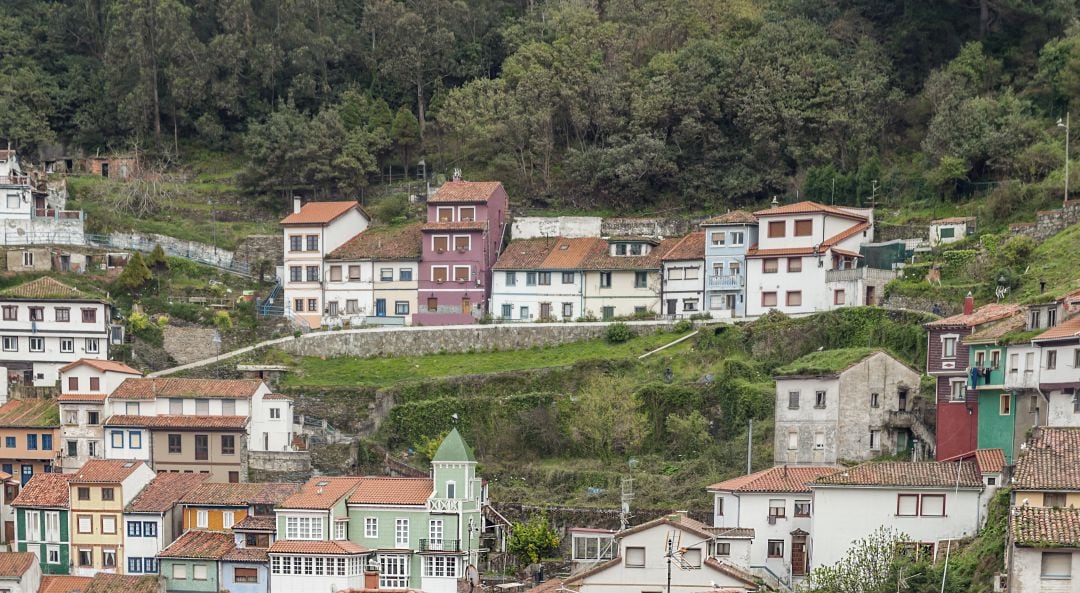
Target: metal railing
{"x":726,"y":281}
{"x":854,"y":274}
{"x":440,"y":545}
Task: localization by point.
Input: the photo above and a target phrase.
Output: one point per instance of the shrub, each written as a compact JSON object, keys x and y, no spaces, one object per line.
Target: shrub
{"x":618,"y":333}
{"x":683,"y":325}
{"x":222,"y":320}
{"x":139,"y":321}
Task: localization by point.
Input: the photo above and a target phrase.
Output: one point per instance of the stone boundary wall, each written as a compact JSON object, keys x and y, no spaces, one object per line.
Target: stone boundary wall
{"x":418,"y":341}
{"x":1049,"y":222}
{"x":188,"y":344}
{"x":193,"y":250}
{"x":259,"y":247}
{"x":530,"y":227}
{"x":650,"y":227}
{"x":279,"y":466}
{"x":41,"y":231}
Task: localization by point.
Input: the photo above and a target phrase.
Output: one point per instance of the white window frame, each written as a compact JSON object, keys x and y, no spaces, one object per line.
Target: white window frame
{"x":306,"y":528}
{"x":228,"y":519}
{"x":202,"y":519}
{"x":957,"y":394}
{"x":67,"y":345}
{"x":371,"y":527}
{"x":947,"y":339}
{"x":393,"y":571}
{"x":401,"y":532}
{"x":441,"y":566}
{"x":438,"y":214}
{"x":341,"y":529}
{"x":453,"y":242}
{"x":435,"y":534}
{"x":37,"y":344}
{"x":33,"y":526}
{"x":448,"y":278}
{"x":468,"y":275}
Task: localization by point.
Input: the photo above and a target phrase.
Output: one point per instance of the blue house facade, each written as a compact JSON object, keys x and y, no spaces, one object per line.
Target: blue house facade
{"x":727,"y":238}
{"x":245,"y":570}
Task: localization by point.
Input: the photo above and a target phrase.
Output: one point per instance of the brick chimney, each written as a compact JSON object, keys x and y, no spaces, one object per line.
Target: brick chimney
{"x":969,"y":304}
{"x":371,"y":576}
{"x":296,"y":204}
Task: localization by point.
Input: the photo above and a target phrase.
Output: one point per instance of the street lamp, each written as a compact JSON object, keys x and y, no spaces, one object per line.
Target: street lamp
{"x":213,"y":218}
{"x":1065,"y":125}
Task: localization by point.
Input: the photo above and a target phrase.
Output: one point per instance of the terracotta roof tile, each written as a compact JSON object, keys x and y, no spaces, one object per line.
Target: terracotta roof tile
{"x":1064,"y":331}
{"x":315,"y":547}
{"x":169,"y":387}
{"x":775,"y":479}
{"x":382,"y":244}
{"x":600,"y":258}
{"x":995,"y":330}
{"x":691,"y":247}
{"x":63,"y":584}
{"x":180,"y":422}
{"x":246,"y":555}
{"x":256,"y":523}
{"x":1051,"y":461}
{"x":392,"y":491}
{"x":953,"y":220}
{"x":321,"y":212}
{"x":18,"y":413}
{"x":101,"y":365}
{"x":845,"y":252}
{"x":548,"y":253}
{"x":675,"y":520}
{"x":321,"y":492}
{"x":164,"y":491}
{"x":733,"y":217}
{"x":105,"y":471}
{"x":846,"y":234}
{"x":807,"y":207}
{"x":476,"y":225}
{"x":45,"y":490}
{"x":47,"y":288}
{"x":732,"y":532}
{"x":118,"y":583}
{"x":753,"y":251}
{"x":81,"y":397}
{"x":15,"y":564}
{"x":989,"y":461}
{"x":226,"y":494}
{"x":211,"y":545}
{"x":1040,"y":527}
{"x":927,"y":474}
{"x":465,"y":191}
{"x":984,"y":314}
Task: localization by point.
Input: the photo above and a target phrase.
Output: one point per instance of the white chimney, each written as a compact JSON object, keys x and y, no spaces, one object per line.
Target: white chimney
{"x":296,"y":204}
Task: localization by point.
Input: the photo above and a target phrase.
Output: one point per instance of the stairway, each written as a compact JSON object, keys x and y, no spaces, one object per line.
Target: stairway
{"x":909,"y":420}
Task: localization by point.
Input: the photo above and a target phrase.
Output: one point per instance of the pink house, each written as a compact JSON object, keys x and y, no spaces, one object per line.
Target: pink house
{"x":461,"y":241}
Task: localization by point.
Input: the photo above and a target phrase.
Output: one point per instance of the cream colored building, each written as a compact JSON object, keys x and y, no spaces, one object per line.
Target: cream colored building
{"x":372,"y":277}
{"x":622,"y":277}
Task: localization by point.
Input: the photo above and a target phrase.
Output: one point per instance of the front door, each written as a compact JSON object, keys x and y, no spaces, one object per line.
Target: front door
{"x":466,"y":306}
{"x":380,"y":307}
{"x":798,"y":555}
{"x":27,"y":473}
{"x":104,"y":169}
{"x":671,"y":306}
{"x":729,"y":302}
{"x":871,"y":298}
{"x":545,"y":311}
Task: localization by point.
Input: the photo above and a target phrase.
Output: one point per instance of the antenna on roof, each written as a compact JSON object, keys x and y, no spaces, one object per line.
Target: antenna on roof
{"x":775,"y":201}
{"x":457,"y":174}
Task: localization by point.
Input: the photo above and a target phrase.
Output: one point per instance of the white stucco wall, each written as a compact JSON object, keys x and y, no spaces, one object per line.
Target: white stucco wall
{"x":522,"y":295}
{"x":1026,"y":573}
{"x":530,"y":227}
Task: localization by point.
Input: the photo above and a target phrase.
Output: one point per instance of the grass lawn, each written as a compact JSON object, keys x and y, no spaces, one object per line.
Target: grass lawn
{"x":317,"y":372}
{"x":1055,"y":261}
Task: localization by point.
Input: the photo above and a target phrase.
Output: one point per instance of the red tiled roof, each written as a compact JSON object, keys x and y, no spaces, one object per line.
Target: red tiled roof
{"x":15,"y":564}
{"x":807,"y":207}
{"x":245,"y":555}
{"x":1051,"y":461}
{"x":321,"y":492}
{"x":753,"y":251}
{"x":169,"y":387}
{"x":275,"y":492}
{"x":678,"y":520}
{"x":81,"y":397}
{"x":382,"y":244}
{"x":180,"y":422}
{"x":989,"y":461}
{"x":104,"y":582}
{"x":101,"y":365}
{"x":547,"y":253}
{"x":775,"y":479}
{"x":226,"y":494}
{"x":600,"y":258}
{"x":465,"y":191}
{"x":929,"y":474}
{"x":475,"y":225}
{"x":392,"y":491}
{"x":48,"y":288}
{"x":44,"y":490}
{"x":63,"y":584}
{"x":984,"y":314}
{"x":164,"y":491}
{"x":1041,"y":527}
{"x":1063,"y":331}
{"x":256,"y":523}
{"x":844,"y":252}
{"x":105,"y":471}
{"x":691,"y":246}
{"x":30,"y":413}
{"x":953,"y":220}
{"x":321,"y":212}
{"x":845,"y":234}
{"x":315,"y":547}
{"x":994,"y":331}
{"x":733,"y":217}
{"x":732,"y":532}
{"x":211,"y":545}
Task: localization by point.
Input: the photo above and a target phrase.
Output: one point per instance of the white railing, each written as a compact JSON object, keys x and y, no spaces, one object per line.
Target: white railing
{"x":444,"y":505}
{"x":854,"y":274}
{"x":725,"y":282}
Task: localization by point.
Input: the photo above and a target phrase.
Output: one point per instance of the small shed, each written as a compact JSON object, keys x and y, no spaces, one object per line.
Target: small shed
{"x":949,"y":230}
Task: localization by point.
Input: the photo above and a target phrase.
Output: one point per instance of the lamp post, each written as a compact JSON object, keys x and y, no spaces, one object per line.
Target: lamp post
{"x":1065,"y":125}
{"x":213,"y":218}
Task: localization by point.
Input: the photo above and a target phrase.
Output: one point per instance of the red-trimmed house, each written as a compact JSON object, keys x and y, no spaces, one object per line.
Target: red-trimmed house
{"x":947,"y":362}
{"x":461,"y":241}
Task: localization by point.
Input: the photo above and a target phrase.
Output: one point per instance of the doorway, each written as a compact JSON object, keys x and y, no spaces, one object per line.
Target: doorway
{"x":902,"y":399}
{"x":798,"y":555}
{"x":466,"y":306}
{"x":729,"y":302}
{"x":104,"y":169}
{"x":671,"y":306}
{"x":871,"y":297}
{"x":380,"y":307}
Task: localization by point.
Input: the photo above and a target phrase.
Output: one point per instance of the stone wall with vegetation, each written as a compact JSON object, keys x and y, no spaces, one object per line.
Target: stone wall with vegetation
{"x":1049,"y":222}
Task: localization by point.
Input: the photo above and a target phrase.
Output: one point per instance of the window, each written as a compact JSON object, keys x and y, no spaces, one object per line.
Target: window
{"x":275,"y":413}
{"x":228,"y":444}
{"x":804,"y":227}
{"x":511,"y":278}
{"x":393,"y":571}
{"x":296,"y":273}
{"x":738,"y":238}
{"x":67,"y":345}
{"x":819,"y":399}
{"x":735,"y":268}
{"x":31,"y":442}
{"x":635,"y":557}
{"x":776,"y":548}
{"x":108,"y":494}
{"x":95,"y":384}
{"x":228,"y":519}
{"x":794,"y":298}
{"x":932,"y":505}
{"x":303,"y":528}
{"x":543,"y":278}
{"x":198,"y":572}
{"x":91,"y":345}
{"x":352,"y":306}
{"x":1054,"y":499}
{"x":777,"y":507}
{"x":386,"y":274}
{"x":723,"y":549}
{"x":641,"y":279}
{"x":451,"y":490}
{"x":245,"y":575}
{"x":341,"y":529}
{"x":1051,"y":317}
{"x":179,"y":571}
{"x":92,"y":448}
{"x":371,"y":527}
{"x":874,"y":400}
{"x":354,"y":272}
{"x":1035,"y":319}
{"x":335,"y":273}
{"x":175,"y":444}
{"x":89,"y":315}
{"x":1051,"y":359}
{"x":134,"y":565}
{"x":770,"y":265}
{"x":108,"y":523}
{"x":776,"y":229}
{"x":296,"y":243}
{"x":605,"y":279}
{"x":84,"y":493}
{"x":202,"y":447}
{"x":568,"y":310}
{"x":33,"y":526}
{"x":440,"y":273}
{"x":440,"y":243}
{"x":444,"y":214}
{"x":440,"y":566}
{"x":37,"y":313}
{"x":718,"y":238}
{"x":802,"y":508}
{"x":52,"y":555}
{"x":907,"y":505}
{"x":839,"y":296}
{"x":117,"y":439}
{"x":9,"y":442}
{"x":948,"y":346}
{"x":461,"y":274}
{"x":768,"y":299}
{"x":692,"y":557}
{"x":11,"y":312}
{"x":567,"y":277}
{"x":793,"y":441}
{"x":875,"y":440}
{"x":793,"y":400}
{"x":134,"y":528}
{"x":202,"y":519}
{"x":957,"y":390}
{"x":467,"y":213}
{"x":1056,"y":565}
{"x":1005,"y":404}
{"x":37,"y":344}
{"x":794,"y":264}
{"x":73,"y":448}
{"x":298,"y":305}
{"x":73,"y":385}
{"x":11,"y":344}
{"x":28,"y":259}
{"x":995,"y":359}
{"x":312,"y":273}
{"x":85,"y":524}
{"x":435,"y":534}
{"x":462,"y":243}
{"x":401,"y":533}
{"x":312,"y":242}
{"x":819,"y":440}
{"x":86,"y":557}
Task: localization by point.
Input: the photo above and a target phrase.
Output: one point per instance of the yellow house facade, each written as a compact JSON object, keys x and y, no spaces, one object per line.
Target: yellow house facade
{"x":99,"y":491}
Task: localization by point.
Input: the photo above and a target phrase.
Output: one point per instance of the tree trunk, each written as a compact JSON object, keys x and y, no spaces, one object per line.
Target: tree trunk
{"x":984,"y":18}
{"x":420,"y":104}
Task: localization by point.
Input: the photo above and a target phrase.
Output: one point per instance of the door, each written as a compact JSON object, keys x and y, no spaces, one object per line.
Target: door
{"x":202,"y":447}
{"x":729,"y":302}
{"x":798,"y":555}
{"x":608,"y":313}
{"x":466,"y":306}
{"x":380,"y":307}
{"x":27,"y":473}
{"x":871,"y":299}
{"x":104,"y":169}
{"x":545,"y":311}
{"x":671,"y":306}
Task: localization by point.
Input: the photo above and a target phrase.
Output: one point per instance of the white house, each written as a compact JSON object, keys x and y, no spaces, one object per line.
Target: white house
{"x":683,"y":276}
{"x":928,"y":501}
{"x":1059,"y":375}
{"x":1044,"y":551}
{"x":949,"y":230}
{"x":372,"y":278}
{"x":623,"y":277}
{"x":641,"y":563}
{"x":152,"y":519}
{"x":312,"y":231}
{"x":589,"y":547}
{"x":776,"y":504}
{"x":541,"y":278}
{"x":798,"y":244}
{"x":84,"y":385}
{"x":19,"y":572}
{"x":15,"y":188}
{"x":47,"y":324}
{"x":845,"y":405}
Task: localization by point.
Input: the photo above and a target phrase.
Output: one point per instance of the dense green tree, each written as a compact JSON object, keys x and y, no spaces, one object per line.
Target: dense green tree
{"x":405,"y":133}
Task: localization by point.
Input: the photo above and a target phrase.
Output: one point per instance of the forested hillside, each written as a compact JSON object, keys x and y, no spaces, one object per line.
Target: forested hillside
{"x":576,"y":104}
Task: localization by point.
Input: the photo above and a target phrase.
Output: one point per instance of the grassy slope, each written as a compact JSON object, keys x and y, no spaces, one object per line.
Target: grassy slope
{"x":1057,"y":261}
{"x":316,"y":372}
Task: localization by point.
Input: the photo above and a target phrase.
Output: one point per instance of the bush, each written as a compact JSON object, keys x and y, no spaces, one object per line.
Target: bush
{"x":391,"y":208}
{"x":683,"y":325}
{"x":138,"y":321}
{"x":618,"y":332}
{"x":222,"y":320}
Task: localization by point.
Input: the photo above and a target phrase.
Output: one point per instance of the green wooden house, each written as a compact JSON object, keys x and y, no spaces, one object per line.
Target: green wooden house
{"x":42,"y":522}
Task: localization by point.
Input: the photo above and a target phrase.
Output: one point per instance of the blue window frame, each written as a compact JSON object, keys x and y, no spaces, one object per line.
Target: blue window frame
{"x":135,"y":565}
{"x":135,"y":440}
{"x":27,"y":473}
{"x":149,"y":529}
{"x":9,"y":442}
{"x":150,"y":565}
{"x":7,"y":468}
{"x":134,"y":528}
{"x":31,"y":442}
{"x":118,"y":439}
{"x":46,"y":442}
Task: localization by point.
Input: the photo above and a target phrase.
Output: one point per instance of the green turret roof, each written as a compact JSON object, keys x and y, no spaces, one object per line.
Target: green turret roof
{"x":453,"y":448}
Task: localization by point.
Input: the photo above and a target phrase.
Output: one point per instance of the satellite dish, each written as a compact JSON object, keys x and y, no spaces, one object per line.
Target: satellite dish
{"x":472,"y":576}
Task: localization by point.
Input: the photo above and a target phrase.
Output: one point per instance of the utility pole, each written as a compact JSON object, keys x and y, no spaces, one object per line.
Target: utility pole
{"x":749,"y":447}
{"x":1066,"y":126}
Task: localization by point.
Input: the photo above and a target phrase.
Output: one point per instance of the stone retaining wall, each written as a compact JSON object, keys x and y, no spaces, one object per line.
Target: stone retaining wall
{"x":651,"y":227}
{"x":188,"y":344}
{"x":254,"y":248}
{"x":1049,"y":222}
{"x":172,"y":246}
{"x":279,"y":466}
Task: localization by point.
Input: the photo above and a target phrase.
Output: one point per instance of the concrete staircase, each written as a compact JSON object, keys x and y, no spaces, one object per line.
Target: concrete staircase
{"x":911,"y":421}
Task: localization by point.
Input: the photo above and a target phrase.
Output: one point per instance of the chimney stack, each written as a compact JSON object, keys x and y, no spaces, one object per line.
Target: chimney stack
{"x":296,"y":204}
{"x":371,"y":576}
{"x":969,"y":304}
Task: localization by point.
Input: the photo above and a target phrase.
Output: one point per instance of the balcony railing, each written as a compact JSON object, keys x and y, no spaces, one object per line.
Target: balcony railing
{"x":725,"y":282}
{"x":444,"y":504}
{"x":15,"y":180}
{"x":58,"y":214}
{"x":854,"y":274}
{"x":440,"y":545}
